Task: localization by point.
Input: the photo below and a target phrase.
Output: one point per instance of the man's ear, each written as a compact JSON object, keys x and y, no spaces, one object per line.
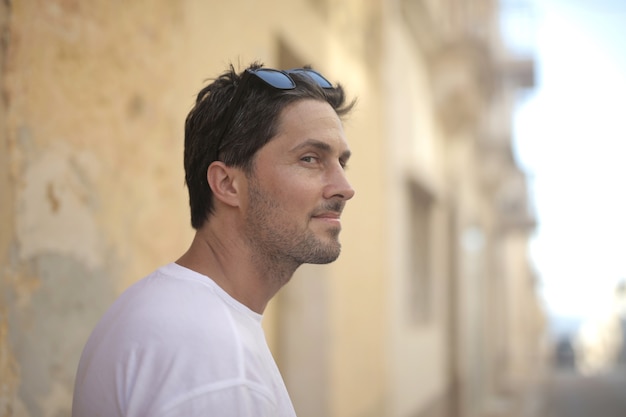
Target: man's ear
{"x":225,"y":182}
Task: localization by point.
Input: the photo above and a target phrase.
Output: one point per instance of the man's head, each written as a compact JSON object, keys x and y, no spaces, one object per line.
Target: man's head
{"x":237,"y":115}
{"x":293,"y":200}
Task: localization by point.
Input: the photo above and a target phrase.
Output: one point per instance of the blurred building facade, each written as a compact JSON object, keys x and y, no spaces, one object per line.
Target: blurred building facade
{"x":430,"y":311}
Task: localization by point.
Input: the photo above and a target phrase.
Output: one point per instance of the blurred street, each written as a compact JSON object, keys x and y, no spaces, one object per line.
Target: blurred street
{"x":570,"y":394}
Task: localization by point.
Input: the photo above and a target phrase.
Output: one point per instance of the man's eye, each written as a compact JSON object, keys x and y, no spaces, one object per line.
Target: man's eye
{"x":308,"y":159}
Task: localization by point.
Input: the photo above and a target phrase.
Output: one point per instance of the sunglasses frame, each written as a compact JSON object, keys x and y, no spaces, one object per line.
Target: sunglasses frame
{"x":278,"y":79}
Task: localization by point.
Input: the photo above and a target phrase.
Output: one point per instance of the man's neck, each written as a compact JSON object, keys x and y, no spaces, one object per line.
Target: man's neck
{"x":245,"y":274}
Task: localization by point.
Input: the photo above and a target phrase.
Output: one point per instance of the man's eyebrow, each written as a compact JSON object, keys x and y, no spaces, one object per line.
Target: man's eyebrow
{"x":320,"y":145}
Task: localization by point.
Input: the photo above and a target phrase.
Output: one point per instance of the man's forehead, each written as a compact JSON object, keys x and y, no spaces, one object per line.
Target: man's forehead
{"x":310,"y":115}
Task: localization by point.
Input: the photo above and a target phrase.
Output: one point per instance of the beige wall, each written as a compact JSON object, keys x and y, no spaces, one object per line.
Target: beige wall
{"x":92,"y":195}
{"x":93,"y":190}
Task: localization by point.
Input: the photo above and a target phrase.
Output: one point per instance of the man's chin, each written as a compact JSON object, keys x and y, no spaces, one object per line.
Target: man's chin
{"x":320,"y":250}
{"x":326,"y":255}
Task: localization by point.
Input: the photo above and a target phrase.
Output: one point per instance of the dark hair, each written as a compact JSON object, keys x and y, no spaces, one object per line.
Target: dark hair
{"x":254,"y":123}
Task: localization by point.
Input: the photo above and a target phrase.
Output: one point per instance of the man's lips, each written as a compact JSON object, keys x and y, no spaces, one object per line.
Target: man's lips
{"x":331,"y":217}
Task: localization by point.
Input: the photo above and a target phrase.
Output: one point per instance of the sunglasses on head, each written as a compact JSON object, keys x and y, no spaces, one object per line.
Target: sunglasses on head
{"x":282,"y":80}
{"x":279,"y":79}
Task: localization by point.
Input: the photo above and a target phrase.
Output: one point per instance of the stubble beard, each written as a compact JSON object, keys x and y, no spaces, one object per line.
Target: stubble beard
{"x":283,"y":244}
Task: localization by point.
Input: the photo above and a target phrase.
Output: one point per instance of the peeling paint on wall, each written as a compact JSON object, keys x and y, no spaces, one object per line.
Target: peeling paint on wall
{"x":61,"y":311}
{"x":55,"y":206}
{"x":91,"y":114}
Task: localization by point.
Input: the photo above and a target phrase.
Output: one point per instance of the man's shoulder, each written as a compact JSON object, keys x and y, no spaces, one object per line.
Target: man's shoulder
{"x":165,"y":291}
{"x":166,"y":334}
{"x":164,"y":304}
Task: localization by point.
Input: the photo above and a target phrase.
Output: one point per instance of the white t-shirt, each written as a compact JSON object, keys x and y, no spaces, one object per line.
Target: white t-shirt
{"x":176,"y":344}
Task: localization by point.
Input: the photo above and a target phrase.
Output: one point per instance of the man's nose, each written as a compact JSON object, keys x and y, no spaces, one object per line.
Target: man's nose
{"x":339,"y":185}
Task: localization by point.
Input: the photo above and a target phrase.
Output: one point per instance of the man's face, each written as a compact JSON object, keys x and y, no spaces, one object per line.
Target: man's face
{"x":298,"y":187}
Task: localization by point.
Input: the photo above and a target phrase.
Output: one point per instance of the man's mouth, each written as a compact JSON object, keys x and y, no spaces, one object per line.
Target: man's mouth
{"x":329,"y":217}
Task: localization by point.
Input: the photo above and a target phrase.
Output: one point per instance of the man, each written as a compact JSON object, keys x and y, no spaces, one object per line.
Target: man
{"x":265,"y":157}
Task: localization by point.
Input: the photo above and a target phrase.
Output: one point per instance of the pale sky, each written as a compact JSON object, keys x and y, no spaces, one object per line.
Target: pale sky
{"x":570,"y":137}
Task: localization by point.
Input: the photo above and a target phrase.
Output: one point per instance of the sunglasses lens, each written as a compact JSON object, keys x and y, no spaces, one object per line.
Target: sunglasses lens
{"x":276,"y":79}
{"x":314,"y":75}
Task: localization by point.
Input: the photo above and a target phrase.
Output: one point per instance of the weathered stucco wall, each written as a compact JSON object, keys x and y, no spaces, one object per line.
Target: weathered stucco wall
{"x":8,"y":364}
{"x":92,"y":195}
{"x":92,"y":186}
